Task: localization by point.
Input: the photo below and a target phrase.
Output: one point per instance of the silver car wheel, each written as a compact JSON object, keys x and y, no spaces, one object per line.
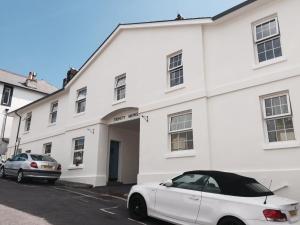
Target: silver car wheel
{"x":20,"y":177}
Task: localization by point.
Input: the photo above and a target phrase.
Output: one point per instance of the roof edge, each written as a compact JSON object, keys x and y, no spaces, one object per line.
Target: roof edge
{"x":234,"y":8}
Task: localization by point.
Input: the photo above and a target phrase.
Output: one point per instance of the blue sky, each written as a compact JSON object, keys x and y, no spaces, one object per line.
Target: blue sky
{"x":49,"y":36}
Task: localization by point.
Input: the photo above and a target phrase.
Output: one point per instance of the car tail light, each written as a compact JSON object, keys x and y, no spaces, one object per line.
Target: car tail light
{"x":274,"y":215}
{"x":34,"y":165}
{"x":59,"y":167}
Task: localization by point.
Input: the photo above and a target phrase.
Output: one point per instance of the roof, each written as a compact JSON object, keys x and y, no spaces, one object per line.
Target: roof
{"x":20,"y":81}
{"x":143,"y":24}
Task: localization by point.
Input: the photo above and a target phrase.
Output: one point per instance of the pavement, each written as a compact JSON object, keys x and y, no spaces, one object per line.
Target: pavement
{"x":38,"y":203}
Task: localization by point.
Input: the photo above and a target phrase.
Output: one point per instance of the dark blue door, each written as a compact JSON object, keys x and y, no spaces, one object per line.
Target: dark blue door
{"x":114,"y":160}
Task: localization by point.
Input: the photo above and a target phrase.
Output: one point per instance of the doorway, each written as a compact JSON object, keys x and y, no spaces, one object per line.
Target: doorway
{"x":114,"y":161}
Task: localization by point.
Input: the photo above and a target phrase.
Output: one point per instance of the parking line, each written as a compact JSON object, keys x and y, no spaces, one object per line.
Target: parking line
{"x":137,"y":221}
{"x":106,"y":210}
{"x":108,"y":195}
{"x":84,"y":195}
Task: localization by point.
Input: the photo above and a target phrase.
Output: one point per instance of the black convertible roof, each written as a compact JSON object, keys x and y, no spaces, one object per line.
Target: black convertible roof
{"x":230,"y":183}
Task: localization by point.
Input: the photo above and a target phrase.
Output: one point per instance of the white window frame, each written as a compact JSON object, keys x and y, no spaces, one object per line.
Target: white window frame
{"x":51,"y":112}
{"x":78,"y":150}
{"x":170,"y":70}
{"x":44,"y":148}
{"x":180,"y":130}
{"x":284,"y":115}
{"x":274,"y":96}
{"x":263,"y":21}
{"x":116,"y":88}
{"x":80,"y":99}
{"x":10,"y":88}
{"x":265,"y":39}
{"x":26,"y":126}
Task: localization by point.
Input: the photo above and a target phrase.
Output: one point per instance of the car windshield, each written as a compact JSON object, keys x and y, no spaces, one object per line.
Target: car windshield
{"x":42,"y":158}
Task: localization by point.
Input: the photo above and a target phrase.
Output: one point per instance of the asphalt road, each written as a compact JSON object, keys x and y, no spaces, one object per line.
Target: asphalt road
{"x":37,"y":203}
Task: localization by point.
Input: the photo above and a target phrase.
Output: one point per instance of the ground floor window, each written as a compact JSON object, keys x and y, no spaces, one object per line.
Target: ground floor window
{"x":78,"y":146}
{"x":47,"y":148}
{"x":180,"y":131}
{"x":278,"y":118}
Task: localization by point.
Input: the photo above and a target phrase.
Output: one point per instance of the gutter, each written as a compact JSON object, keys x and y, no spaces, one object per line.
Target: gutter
{"x":18,"y":132}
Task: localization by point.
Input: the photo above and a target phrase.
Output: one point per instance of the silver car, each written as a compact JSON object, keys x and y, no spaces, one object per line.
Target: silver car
{"x":27,"y":165}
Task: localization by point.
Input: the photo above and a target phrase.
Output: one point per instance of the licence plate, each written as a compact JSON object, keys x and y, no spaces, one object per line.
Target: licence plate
{"x":293,"y":213}
{"x":47,"y":167}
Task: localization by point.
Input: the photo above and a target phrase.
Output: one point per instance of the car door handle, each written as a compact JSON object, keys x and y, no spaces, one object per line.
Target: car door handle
{"x":194,"y":198}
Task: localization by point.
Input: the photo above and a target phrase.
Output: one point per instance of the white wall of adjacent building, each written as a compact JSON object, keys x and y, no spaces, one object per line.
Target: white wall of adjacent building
{"x":223,"y":88}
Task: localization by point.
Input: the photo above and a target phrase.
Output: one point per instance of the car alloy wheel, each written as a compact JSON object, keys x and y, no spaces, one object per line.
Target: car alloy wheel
{"x":20,"y":177}
{"x":138,"y":207}
{"x":2,"y":172}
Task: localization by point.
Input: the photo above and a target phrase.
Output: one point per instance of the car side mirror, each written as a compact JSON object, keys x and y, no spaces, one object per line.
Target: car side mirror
{"x":168,"y":183}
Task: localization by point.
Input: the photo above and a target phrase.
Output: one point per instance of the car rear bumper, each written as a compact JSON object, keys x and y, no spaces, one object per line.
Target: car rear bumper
{"x":42,"y":174}
{"x":260,"y":222}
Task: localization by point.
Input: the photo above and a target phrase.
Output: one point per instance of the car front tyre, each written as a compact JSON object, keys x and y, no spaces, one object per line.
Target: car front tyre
{"x":20,"y":177}
{"x":137,"y":207}
{"x":2,"y":172}
{"x":230,"y":221}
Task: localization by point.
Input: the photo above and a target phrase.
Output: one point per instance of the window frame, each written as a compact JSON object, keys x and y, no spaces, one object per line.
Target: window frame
{"x":186,"y":112}
{"x":263,"y":21}
{"x":11,"y":88}
{"x":52,"y":112}
{"x":116,"y":88}
{"x":26,"y":126}
{"x":44,"y":148}
{"x":266,"y":39}
{"x":274,"y":117}
{"x":174,"y":69}
{"x":78,"y":150}
{"x":289,"y":113}
{"x":80,"y":100}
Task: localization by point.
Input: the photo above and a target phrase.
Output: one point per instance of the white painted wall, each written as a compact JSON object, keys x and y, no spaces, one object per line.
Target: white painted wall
{"x":222,"y":87}
{"x":20,"y":98}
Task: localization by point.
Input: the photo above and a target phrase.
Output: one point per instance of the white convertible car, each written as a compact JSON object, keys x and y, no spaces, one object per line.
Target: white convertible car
{"x":212,"y":198}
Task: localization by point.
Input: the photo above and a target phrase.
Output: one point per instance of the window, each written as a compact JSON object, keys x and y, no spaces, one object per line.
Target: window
{"x":267,"y":40}
{"x":190,"y":181}
{"x":120,"y":87}
{"x":212,"y":186}
{"x":81,"y":100}
{"x":175,"y":69}
{"x":53,"y":112}
{"x":28,"y":121}
{"x":278,"y":118}
{"x":78,"y":146}
{"x":47,"y":148}
{"x":7,"y":95}
{"x":180,"y":131}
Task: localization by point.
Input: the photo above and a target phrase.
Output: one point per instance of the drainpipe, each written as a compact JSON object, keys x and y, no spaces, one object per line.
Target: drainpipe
{"x":17,"y":138}
{"x":4,"y":123}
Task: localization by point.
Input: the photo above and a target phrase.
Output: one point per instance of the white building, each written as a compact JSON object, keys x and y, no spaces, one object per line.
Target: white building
{"x":159,"y":98}
{"x":15,"y":92}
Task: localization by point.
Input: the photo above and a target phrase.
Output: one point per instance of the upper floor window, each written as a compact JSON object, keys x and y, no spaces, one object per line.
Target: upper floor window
{"x":81,"y":100}
{"x":53,"y":112}
{"x":120,"y":87}
{"x":7,"y":95}
{"x":78,"y":146}
{"x":267,"y":39}
{"x":181,"y":131}
{"x":278,"y":118}
{"x":28,"y":121}
{"x":47,"y":148}
{"x":175,"y":69}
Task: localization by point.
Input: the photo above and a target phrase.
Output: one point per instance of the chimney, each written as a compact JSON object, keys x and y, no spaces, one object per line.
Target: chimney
{"x":70,"y":74}
{"x":31,"y":80}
